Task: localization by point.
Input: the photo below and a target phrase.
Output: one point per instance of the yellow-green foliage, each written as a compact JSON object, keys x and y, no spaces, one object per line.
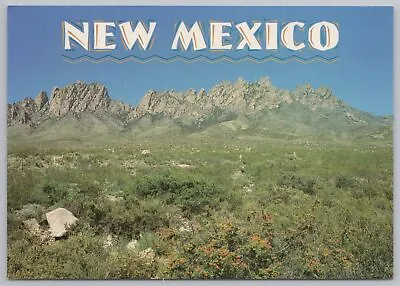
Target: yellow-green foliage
{"x":208,"y":207}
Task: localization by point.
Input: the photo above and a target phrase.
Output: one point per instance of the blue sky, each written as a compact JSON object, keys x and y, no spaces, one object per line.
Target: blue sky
{"x":362,"y":76}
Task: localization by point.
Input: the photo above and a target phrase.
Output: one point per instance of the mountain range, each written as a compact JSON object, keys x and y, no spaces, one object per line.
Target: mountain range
{"x":253,"y":107}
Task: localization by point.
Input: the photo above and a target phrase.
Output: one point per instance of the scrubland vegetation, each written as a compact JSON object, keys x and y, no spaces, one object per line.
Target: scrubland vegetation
{"x":201,"y":207}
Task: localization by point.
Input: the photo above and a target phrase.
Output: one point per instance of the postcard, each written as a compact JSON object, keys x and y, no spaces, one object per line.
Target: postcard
{"x":209,"y":142}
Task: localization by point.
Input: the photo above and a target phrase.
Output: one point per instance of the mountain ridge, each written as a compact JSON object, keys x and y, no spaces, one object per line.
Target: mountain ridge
{"x":196,"y":110}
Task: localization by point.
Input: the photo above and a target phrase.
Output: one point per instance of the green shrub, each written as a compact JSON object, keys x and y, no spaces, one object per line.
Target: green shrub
{"x":128,"y":218}
{"x":125,"y":265}
{"x":78,"y":257}
{"x":305,"y":184}
{"x":54,"y":194}
{"x":227,"y":251}
{"x":192,"y":195}
{"x":344,"y":182}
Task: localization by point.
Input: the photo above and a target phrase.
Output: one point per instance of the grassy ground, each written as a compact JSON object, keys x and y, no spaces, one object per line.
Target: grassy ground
{"x":207,"y":206}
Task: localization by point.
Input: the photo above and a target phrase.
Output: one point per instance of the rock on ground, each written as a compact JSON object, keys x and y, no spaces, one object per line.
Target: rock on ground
{"x":58,"y":220}
{"x":145,"y":152}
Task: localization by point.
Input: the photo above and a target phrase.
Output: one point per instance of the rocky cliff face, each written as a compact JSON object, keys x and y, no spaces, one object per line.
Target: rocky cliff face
{"x":79,"y":97}
{"x":239,"y":96}
{"x":27,"y":110}
{"x":71,"y":99}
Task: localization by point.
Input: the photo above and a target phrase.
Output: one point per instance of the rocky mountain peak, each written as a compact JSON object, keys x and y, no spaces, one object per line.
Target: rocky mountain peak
{"x":238,"y":96}
{"x":78,"y":97}
{"x":41,"y":100}
{"x":321,"y":97}
{"x":71,"y":99}
{"x":264,"y":82}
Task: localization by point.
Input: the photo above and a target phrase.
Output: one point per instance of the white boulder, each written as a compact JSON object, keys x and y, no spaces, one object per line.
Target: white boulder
{"x":59,"y":219}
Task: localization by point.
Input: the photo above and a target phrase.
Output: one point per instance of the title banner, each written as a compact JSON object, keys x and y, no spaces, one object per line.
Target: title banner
{"x":209,"y":34}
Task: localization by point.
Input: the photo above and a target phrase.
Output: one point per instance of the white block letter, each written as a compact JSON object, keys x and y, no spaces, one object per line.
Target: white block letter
{"x":101,"y":34}
{"x":138,"y":34}
{"x":271,"y":36}
{"x":331,"y":32}
{"x":287,"y":36}
{"x":217,"y":35}
{"x":248,"y":37}
{"x":185,"y":37}
{"x":81,"y":37}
